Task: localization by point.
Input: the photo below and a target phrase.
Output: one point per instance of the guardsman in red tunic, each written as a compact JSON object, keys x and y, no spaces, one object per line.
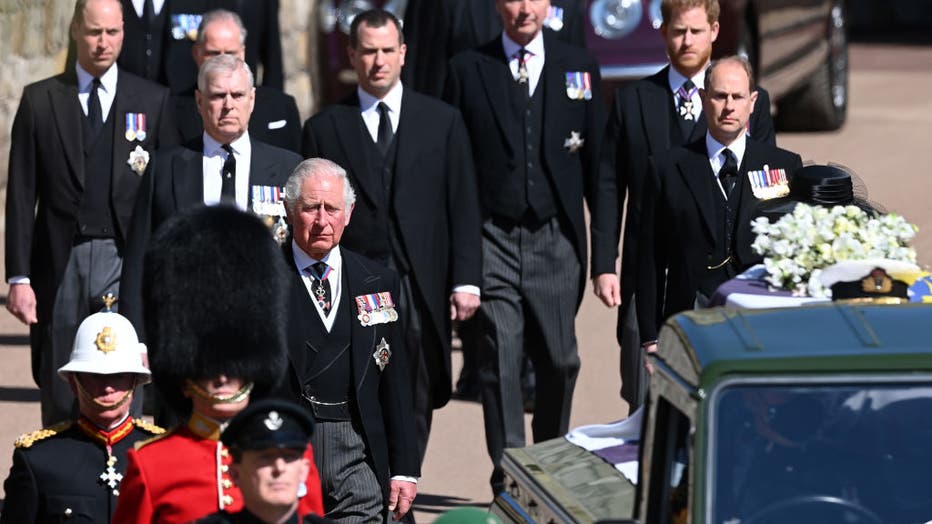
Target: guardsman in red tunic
{"x":72,"y":471}
{"x":216,"y":338}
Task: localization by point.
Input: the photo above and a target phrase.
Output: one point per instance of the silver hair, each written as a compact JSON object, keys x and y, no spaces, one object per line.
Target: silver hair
{"x":221,"y":64}
{"x":316,"y":167}
{"x":215,"y":16}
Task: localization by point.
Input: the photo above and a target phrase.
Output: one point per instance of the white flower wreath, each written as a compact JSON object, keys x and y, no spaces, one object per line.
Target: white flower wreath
{"x":798,"y":245}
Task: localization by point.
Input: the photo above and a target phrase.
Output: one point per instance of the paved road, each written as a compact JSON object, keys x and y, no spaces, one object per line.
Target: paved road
{"x":884,"y":141}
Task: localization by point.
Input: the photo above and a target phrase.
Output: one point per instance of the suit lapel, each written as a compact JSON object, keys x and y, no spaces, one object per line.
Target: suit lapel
{"x":188,"y":176}
{"x":553,"y":82}
{"x":696,"y":173}
{"x":655,"y":101}
{"x":125,"y":99}
{"x":362,"y":340}
{"x":495,"y":75}
{"x":406,"y":139}
{"x":67,"y":113}
{"x":753,"y":160}
{"x":347,"y":121}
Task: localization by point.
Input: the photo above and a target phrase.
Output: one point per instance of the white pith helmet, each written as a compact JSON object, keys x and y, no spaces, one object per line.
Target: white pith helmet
{"x":105,"y":344}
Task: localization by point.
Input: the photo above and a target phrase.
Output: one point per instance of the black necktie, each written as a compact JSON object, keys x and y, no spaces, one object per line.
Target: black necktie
{"x":148,"y":12}
{"x":385,"y":129}
{"x":728,"y":174}
{"x":523,"y":77}
{"x":321,"y":271}
{"x":94,"y":112}
{"x":228,"y":180}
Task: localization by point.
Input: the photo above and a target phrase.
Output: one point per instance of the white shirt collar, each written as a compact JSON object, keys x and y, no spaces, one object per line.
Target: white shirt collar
{"x":392,"y":99}
{"x":535,"y":46}
{"x":676,"y":78}
{"x":302,"y":260}
{"x":714,"y":149}
{"x":108,"y":81}
{"x":240,"y":146}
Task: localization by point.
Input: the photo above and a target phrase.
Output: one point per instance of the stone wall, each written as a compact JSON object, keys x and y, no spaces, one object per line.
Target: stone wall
{"x":34,"y":42}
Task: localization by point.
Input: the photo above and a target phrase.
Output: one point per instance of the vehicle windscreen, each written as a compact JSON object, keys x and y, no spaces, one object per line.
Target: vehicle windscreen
{"x":849,"y":453}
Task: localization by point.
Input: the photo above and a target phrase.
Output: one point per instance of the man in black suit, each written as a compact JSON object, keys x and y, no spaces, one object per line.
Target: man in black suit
{"x":419,"y":210}
{"x":533,"y":110}
{"x":347,"y":355}
{"x":223,"y":166}
{"x":80,"y":143}
{"x":167,"y":55}
{"x":437,"y":30}
{"x":274,"y":121}
{"x":647,"y":118}
{"x":699,"y":200}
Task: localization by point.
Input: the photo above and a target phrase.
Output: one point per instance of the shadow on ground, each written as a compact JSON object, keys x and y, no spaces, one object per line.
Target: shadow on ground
{"x":437,"y":504}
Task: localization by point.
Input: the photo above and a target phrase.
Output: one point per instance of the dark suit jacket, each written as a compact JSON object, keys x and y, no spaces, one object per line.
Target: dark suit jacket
{"x":434,"y":201}
{"x":678,"y":231}
{"x":436,"y":30}
{"x":478,"y":84}
{"x":383,"y":397}
{"x":274,"y":121}
{"x":263,"y":41}
{"x":638,"y":127}
{"x":46,"y":175}
{"x":175,"y":181}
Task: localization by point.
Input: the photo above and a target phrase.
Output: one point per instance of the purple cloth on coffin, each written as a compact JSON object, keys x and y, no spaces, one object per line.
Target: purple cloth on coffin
{"x":627,"y":452}
{"x":750,"y":290}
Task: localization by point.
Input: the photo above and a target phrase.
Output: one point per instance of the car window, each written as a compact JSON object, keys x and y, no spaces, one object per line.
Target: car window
{"x":822,"y":453}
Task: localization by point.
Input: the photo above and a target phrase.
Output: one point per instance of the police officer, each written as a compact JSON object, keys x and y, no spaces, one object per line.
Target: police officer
{"x":268,"y":440}
{"x":74,"y":469}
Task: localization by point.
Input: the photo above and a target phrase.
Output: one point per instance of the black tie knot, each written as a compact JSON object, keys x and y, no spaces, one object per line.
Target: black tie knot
{"x":728,"y":174}
{"x":319,"y":270}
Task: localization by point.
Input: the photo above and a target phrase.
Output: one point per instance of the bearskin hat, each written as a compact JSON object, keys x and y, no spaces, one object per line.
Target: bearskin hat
{"x":214,"y":293}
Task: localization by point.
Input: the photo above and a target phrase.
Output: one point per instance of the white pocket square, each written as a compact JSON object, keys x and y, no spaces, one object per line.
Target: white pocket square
{"x":278,"y":124}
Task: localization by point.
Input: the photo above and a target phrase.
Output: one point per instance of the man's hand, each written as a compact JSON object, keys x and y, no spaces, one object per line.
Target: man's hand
{"x":21,"y":301}
{"x":463,"y":305}
{"x":606,"y":287}
{"x":649,"y":350}
{"x":401,"y":497}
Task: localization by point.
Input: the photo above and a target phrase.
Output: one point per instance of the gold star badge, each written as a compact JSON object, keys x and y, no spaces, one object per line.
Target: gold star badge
{"x":106,"y":340}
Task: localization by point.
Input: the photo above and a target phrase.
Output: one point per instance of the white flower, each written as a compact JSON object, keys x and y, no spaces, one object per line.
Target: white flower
{"x":798,"y":245}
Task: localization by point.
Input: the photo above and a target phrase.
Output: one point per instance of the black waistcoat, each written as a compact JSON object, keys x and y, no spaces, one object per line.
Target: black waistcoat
{"x":528,"y":187}
{"x":328,"y":374}
{"x":384,"y":244}
{"x":726,"y":212}
{"x":95,"y":218}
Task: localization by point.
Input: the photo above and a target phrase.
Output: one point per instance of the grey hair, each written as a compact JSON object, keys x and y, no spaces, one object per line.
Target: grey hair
{"x":215,"y":16}
{"x":315,"y":167}
{"x":737,"y":59}
{"x":222,"y":64}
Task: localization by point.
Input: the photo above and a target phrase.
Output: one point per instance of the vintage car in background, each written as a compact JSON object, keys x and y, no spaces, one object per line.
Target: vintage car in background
{"x":797,"y":47}
{"x":751,"y":422}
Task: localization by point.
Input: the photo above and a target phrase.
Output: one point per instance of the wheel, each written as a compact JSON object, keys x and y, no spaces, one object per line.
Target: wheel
{"x":805,"y":505}
{"x":822,"y":104}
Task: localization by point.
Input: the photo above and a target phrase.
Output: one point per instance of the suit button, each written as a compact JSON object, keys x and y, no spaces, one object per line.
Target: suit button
{"x":530,"y":165}
{"x":530,"y":183}
{"x":68,"y":513}
{"x":226,"y":483}
{"x":227,"y":500}
{"x":224,"y":468}
{"x":83,"y":228}
{"x":529,"y":130}
{"x":528,"y":113}
{"x":530,"y":147}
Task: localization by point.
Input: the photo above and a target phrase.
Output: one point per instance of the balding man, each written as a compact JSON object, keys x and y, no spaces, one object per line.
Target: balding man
{"x":80,"y":144}
{"x":274,"y":119}
{"x":699,"y":201}
{"x":223,"y":166}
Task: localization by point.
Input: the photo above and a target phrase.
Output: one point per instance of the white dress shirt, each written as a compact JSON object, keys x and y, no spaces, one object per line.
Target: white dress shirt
{"x":534,"y":63}
{"x":369,"y":106}
{"x":716,"y":159}
{"x":334,"y":259}
{"x":214,"y":157}
{"x":106,"y":93}
{"x":138,"y":5}
{"x":676,"y":80}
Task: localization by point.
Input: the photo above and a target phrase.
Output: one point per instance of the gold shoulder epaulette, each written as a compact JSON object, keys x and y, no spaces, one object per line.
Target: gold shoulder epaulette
{"x":142,"y":443}
{"x":151,"y":428}
{"x":28,"y":439}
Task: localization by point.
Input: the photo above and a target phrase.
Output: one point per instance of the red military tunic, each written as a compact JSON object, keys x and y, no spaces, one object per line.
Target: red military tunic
{"x":184,"y":475}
